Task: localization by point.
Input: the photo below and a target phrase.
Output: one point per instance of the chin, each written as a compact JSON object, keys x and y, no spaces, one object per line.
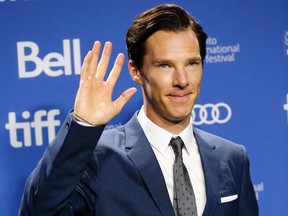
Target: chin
{"x":180,"y":118}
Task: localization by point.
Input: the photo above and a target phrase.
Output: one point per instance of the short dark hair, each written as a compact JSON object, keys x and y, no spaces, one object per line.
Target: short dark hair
{"x":166,"y":17}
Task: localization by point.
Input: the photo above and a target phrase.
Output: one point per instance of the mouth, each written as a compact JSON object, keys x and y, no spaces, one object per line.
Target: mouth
{"x":179,"y":97}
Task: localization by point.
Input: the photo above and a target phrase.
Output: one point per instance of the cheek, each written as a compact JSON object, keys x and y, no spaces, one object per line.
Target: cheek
{"x":196,"y":80}
{"x":157,"y":82}
{"x":154,"y":88}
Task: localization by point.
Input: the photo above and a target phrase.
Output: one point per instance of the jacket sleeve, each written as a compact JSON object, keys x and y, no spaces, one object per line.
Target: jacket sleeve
{"x":54,"y":187}
{"x":248,"y":205}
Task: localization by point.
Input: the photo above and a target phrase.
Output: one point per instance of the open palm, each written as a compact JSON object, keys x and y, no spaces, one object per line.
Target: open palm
{"x":93,"y":102}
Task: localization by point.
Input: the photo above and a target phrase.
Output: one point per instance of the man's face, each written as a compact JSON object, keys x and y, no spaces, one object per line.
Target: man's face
{"x":171,"y":76}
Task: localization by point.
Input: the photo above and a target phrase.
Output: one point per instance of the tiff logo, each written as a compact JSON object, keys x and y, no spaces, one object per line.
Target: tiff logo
{"x":41,"y":119}
{"x":53,"y":64}
{"x":285,"y":106}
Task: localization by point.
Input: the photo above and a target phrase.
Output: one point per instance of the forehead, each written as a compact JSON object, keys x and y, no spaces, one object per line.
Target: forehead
{"x":170,"y":43}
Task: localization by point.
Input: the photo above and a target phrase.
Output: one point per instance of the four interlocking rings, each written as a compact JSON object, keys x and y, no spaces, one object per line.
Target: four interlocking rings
{"x":211,"y":113}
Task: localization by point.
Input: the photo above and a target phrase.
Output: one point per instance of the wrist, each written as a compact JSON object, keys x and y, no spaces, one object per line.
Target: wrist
{"x":81,"y":121}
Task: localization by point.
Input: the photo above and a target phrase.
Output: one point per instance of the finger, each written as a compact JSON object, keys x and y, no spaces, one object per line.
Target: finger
{"x":95,"y":57}
{"x":85,"y":66}
{"x":124,"y":98}
{"x":104,"y":61}
{"x":115,"y":72}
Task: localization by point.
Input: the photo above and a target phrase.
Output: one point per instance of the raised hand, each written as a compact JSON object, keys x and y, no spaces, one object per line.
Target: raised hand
{"x":93,"y":102}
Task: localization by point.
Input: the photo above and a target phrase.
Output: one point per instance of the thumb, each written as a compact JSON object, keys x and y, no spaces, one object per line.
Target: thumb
{"x":124,"y":98}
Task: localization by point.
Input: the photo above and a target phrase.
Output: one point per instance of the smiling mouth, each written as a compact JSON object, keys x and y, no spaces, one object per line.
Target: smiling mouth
{"x":179,"y":96}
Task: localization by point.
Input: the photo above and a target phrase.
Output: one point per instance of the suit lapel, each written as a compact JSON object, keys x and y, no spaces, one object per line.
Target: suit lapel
{"x":211,"y":168}
{"x":143,"y":157}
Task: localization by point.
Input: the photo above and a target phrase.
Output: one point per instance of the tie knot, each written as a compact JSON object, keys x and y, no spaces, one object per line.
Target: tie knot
{"x":177,"y":145}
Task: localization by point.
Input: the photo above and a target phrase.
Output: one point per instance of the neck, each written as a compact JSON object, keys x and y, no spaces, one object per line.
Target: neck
{"x":172,"y":126}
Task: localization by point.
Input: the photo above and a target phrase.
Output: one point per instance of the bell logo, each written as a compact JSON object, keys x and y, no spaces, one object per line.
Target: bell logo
{"x":53,"y":64}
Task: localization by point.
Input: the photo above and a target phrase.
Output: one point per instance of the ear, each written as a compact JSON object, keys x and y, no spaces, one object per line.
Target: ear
{"x":134,"y":72}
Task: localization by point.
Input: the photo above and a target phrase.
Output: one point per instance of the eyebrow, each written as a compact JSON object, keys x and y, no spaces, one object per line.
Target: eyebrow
{"x":193,"y":59}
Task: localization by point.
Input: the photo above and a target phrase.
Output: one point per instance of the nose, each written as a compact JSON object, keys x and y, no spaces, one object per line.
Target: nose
{"x":180,"y":78}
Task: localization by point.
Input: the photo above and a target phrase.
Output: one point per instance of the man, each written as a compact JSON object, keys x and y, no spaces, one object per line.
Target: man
{"x":131,"y":170}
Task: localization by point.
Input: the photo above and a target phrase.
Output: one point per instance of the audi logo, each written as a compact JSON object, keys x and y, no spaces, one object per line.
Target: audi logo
{"x":209,"y":113}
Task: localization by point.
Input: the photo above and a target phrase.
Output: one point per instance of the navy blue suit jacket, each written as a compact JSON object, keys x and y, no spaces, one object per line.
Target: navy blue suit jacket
{"x":86,"y":171}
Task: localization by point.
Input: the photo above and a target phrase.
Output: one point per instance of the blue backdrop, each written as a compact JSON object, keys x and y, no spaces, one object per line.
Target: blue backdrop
{"x":244,"y":94}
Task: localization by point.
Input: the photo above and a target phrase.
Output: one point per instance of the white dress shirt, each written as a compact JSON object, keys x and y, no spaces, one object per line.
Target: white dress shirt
{"x":159,"y":140}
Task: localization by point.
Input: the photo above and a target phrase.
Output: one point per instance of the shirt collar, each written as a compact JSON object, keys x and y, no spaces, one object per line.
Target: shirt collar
{"x":160,"y":138}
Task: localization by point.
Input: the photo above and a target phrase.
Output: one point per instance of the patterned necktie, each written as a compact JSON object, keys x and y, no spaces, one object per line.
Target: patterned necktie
{"x":184,"y":199}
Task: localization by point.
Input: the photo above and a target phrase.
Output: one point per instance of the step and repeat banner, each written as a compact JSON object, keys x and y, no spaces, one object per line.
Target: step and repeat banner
{"x":244,"y":94}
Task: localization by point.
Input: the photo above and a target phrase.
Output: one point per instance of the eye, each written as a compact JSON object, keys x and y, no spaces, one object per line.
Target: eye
{"x":163,"y":66}
{"x":194,"y":63}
